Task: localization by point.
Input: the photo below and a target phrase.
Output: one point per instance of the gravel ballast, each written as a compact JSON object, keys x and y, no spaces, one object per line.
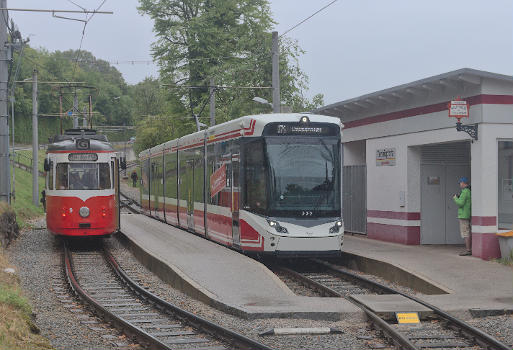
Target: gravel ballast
{"x":68,"y":325}
{"x":60,"y":316}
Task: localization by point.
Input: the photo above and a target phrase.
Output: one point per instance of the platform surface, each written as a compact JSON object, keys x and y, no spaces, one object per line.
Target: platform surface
{"x":226,"y":277}
{"x":470,"y":282}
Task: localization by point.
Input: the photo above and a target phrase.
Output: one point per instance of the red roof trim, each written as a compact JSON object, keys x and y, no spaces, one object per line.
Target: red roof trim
{"x":438,"y":107}
{"x":69,"y":151}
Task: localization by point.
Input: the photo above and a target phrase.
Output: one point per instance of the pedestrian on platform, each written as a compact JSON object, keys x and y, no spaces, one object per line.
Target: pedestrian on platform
{"x":134,"y":178}
{"x":464,"y":203}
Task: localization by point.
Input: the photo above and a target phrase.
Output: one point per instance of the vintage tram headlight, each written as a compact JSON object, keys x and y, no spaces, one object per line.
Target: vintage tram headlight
{"x":84,"y":212}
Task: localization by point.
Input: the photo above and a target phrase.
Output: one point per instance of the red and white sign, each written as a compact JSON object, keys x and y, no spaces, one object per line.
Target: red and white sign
{"x":458,"y":109}
{"x":218,"y":181}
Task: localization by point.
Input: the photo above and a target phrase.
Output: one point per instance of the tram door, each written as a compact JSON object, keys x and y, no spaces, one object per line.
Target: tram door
{"x":114,"y":164}
{"x":235,"y":193}
{"x":189,"y":195}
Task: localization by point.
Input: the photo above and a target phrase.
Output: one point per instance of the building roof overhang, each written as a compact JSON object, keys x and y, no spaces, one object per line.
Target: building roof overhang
{"x":360,"y":107}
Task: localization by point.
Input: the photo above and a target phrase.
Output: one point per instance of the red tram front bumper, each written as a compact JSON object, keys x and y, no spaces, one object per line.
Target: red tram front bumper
{"x":63,"y":218}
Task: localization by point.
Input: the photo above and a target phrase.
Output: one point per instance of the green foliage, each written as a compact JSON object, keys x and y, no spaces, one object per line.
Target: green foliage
{"x":22,"y":205}
{"x":13,"y":297}
{"x":230,"y":41}
{"x":110,"y":95}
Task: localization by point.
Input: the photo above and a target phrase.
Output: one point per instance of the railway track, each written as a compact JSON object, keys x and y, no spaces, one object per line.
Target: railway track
{"x":99,"y":282}
{"x":129,"y":204}
{"x":442,"y":331}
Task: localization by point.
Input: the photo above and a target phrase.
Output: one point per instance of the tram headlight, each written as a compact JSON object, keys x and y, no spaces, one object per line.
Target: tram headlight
{"x":277,"y":226}
{"x":84,"y":212}
{"x":304,"y":119}
{"x":336,"y":228}
{"x":272,"y":223}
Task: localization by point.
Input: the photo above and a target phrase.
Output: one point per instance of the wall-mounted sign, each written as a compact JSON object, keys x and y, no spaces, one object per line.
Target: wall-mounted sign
{"x":385,"y":157}
{"x":218,"y":181}
{"x":433,"y":180}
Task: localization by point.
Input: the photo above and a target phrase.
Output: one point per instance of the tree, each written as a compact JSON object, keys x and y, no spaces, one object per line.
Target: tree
{"x":228,"y":40}
{"x":110,"y":98}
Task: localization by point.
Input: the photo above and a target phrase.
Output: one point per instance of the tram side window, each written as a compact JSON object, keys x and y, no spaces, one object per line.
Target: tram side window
{"x":50,"y":179}
{"x":61,"y":176}
{"x":104,"y":176}
{"x":255,"y":178}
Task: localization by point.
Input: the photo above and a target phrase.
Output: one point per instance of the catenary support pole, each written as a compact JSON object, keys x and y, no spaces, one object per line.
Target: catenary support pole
{"x":60,"y":110}
{"x":5,"y":173}
{"x":212,"y":93}
{"x":75,"y":111}
{"x":35,"y":142}
{"x":276,"y":73}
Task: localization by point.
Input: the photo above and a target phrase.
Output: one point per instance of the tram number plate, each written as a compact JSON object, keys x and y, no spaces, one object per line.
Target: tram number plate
{"x":407,"y":317}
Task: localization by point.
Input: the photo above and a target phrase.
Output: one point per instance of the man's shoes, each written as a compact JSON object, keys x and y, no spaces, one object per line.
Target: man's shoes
{"x":466,"y":253}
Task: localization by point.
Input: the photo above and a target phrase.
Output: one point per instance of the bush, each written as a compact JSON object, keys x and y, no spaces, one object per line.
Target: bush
{"x":9,"y":228}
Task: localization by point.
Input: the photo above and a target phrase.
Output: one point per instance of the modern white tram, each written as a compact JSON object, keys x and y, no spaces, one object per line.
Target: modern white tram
{"x":266,"y":183}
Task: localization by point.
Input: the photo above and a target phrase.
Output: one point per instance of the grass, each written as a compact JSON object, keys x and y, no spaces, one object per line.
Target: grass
{"x":25,"y":157}
{"x":17,"y":331}
{"x":22,"y":205}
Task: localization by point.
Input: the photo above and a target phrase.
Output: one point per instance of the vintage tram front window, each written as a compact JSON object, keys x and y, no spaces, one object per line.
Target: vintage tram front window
{"x":83,"y":176}
{"x":304,"y":177}
{"x":61,"y":176}
{"x":104,"y":176}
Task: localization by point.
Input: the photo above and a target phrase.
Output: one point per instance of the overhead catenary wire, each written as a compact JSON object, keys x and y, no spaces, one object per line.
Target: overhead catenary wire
{"x":307,"y":18}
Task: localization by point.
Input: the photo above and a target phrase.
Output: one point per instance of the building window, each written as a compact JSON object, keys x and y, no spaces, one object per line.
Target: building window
{"x":505,"y":182}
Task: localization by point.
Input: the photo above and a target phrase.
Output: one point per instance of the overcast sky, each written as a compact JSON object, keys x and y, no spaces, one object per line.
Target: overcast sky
{"x":352,"y":48}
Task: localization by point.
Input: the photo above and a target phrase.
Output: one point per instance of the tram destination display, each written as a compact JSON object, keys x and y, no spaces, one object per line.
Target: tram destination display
{"x":302,"y":129}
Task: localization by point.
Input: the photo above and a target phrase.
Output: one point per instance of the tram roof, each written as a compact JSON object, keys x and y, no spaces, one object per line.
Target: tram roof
{"x":251,"y":125}
{"x":68,"y":141}
{"x":71,"y":146}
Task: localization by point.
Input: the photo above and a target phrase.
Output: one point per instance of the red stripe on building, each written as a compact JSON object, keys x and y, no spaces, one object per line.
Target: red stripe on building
{"x":394,"y":233}
{"x":484,"y":220}
{"x":401,"y":215}
{"x":438,"y":107}
{"x":485,"y":246}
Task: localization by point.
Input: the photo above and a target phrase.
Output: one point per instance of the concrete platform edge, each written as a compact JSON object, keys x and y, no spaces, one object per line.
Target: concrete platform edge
{"x":191,"y":288}
{"x":392,"y":272}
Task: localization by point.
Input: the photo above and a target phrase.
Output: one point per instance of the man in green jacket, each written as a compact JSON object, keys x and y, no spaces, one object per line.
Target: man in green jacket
{"x":464,"y":203}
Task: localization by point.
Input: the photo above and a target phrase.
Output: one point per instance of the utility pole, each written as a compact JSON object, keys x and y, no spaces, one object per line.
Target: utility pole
{"x":60,"y":108}
{"x":276,"y":74}
{"x":35,"y":142}
{"x":5,"y":174}
{"x":75,"y":111}
{"x":84,"y":119}
{"x":212,"y":93}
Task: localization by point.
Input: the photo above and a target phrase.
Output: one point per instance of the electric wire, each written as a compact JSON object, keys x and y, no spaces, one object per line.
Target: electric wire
{"x":307,"y":18}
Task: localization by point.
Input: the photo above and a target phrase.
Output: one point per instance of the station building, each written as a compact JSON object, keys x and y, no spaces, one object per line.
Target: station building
{"x":403,"y":157}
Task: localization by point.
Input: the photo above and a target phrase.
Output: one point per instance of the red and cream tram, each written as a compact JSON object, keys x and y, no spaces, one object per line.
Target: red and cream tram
{"x":264,"y":183}
{"x":81,"y":185}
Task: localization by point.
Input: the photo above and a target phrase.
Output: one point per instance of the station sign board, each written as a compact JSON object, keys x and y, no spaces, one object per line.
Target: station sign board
{"x":218,"y":181}
{"x":458,"y":109}
{"x":385,"y":157}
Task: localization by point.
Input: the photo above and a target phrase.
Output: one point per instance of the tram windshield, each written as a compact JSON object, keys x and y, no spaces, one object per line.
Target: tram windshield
{"x":83,"y":176}
{"x":293,"y":177}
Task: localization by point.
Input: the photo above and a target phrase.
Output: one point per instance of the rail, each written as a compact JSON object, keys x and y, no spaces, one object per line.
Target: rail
{"x":470,"y":333}
{"x":227,"y":336}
